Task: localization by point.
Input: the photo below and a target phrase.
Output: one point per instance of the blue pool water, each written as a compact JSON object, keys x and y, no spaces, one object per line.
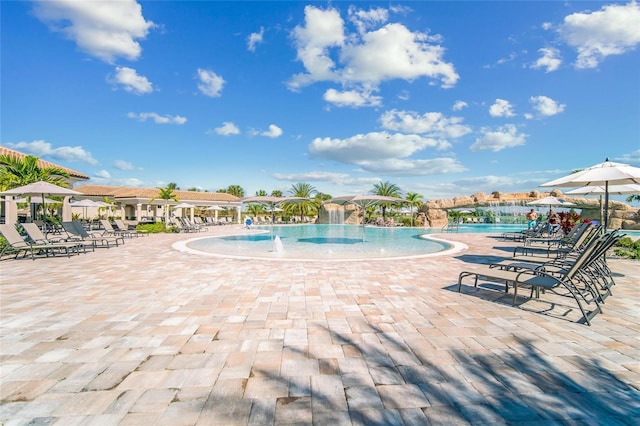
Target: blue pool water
{"x":320,"y":242}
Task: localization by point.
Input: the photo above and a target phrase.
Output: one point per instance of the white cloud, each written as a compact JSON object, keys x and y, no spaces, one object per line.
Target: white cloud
{"x":157,"y":118}
{"x":433,"y":124}
{"x":376,"y":146}
{"x":547,"y":26}
{"x":106,"y":30}
{"x":210,"y":83}
{"x":459,"y":105}
{"x":273,"y":132}
{"x":504,"y":137}
{"x":550,"y":59}
{"x":131,"y":81}
{"x":40,"y":148}
{"x":612,"y":30}
{"x":254,"y":39}
{"x":501,"y":108}
{"x":123,"y":165}
{"x":102,"y":174}
{"x":364,"y":19}
{"x":409,"y":167}
{"x":546,"y":106}
{"x":366,"y":57}
{"x":352,"y":98}
{"x":227,"y":128}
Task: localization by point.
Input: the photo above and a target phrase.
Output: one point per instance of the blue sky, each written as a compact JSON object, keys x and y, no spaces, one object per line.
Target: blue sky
{"x":441,"y":98}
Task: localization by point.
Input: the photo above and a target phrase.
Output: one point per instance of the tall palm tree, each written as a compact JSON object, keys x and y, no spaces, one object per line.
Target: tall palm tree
{"x":15,"y":172}
{"x":413,"y":200}
{"x":165,"y":194}
{"x":386,"y":189}
{"x":236,"y":190}
{"x":261,"y":193}
{"x":276,"y":193}
{"x":303,"y":190}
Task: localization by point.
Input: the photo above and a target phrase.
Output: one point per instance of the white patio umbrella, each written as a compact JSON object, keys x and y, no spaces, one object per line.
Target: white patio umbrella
{"x":37,"y":200}
{"x":86,"y":203}
{"x":550,"y":202}
{"x":364,"y":201}
{"x":41,"y":188}
{"x":602,"y":174}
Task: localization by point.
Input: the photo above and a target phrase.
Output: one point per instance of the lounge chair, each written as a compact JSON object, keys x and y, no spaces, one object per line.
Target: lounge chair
{"x":76,"y":229}
{"x":16,"y":244}
{"x":121,"y":226}
{"x":110,"y":230}
{"x":537,"y":231}
{"x":570,"y":276}
{"x":35,"y":234}
{"x":574,"y":233}
{"x":559,"y":247}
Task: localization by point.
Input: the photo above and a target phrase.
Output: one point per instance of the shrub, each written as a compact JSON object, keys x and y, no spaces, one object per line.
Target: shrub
{"x":156,"y":228}
{"x":627,"y":248}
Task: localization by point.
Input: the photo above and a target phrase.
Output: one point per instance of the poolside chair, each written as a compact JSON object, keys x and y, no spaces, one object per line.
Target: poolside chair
{"x":110,"y":230}
{"x":560,"y":247}
{"x":16,"y":244}
{"x":121,"y":226}
{"x":537,"y":231}
{"x":574,"y":233}
{"x":570,"y":277}
{"x":76,"y":229}
{"x":35,"y":234}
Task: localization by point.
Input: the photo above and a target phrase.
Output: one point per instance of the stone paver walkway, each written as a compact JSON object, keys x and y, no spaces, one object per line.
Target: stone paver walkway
{"x":144,"y":334}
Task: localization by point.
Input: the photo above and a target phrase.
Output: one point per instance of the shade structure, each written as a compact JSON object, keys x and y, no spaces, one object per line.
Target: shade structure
{"x":550,"y":202}
{"x":41,"y":188}
{"x":600,"y":190}
{"x":183,"y":206}
{"x":214,"y":208}
{"x":364,"y":201}
{"x":36,"y":200}
{"x":86,"y":203}
{"x":271,"y":202}
{"x":603,"y":174}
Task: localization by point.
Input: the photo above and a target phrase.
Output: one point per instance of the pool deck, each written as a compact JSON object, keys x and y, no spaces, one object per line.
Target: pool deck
{"x":144,"y":334}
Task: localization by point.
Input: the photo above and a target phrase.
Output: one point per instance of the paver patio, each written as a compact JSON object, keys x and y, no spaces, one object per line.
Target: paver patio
{"x":145,"y":334}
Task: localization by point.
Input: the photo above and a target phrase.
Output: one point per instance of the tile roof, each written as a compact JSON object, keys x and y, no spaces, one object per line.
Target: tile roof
{"x":43,"y":163}
{"x":116,"y":192}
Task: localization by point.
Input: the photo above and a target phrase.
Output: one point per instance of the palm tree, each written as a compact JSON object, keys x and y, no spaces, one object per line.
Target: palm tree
{"x":236,"y":190}
{"x":15,"y":172}
{"x":261,"y":193}
{"x":303,"y":190}
{"x":165,"y":194}
{"x":386,"y":189}
{"x":276,"y":193}
{"x":413,"y":200}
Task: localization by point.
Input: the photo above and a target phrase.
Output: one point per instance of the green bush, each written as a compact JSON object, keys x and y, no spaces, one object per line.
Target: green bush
{"x":156,"y":228}
{"x":627,"y":248}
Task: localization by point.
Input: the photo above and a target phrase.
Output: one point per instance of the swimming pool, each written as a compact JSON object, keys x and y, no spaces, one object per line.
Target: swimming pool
{"x":322,"y":242}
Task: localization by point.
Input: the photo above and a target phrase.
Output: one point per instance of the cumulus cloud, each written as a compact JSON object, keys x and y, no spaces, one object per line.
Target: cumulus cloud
{"x":273,"y":132}
{"x":411,"y":167}
{"x":351,"y":98}
{"x":546,"y":106}
{"x":254,"y":39}
{"x":459,"y":105}
{"x":102,"y":174}
{"x":227,"y":128}
{"x":370,"y":55}
{"x":40,"y":148}
{"x":157,"y":118}
{"x":106,"y":30}
{"x":501,"y":108}
{"x":612,"y":30}
{"x":123,"y":165}
{"x":496,"y":140}
{"x":549,"y":59}
{"x":433,"y":124}
{"x":129,"y":79}
{"x":210,"y":83}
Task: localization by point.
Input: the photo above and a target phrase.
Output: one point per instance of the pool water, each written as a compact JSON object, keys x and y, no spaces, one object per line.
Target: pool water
{"x":322,"y":242}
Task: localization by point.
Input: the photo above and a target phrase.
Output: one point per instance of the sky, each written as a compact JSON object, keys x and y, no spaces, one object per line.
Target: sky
{"x":441,"y":98}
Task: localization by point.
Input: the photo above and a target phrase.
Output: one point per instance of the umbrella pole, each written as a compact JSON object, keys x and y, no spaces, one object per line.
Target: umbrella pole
{"x":606,"y":205}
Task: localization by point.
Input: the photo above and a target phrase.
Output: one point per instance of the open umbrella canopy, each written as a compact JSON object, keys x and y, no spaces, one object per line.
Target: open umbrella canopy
{"x":41,"y":188}
{"x":600,"y":190}
{"x":550,"y":202}
{"x":602,"y":174}
{"x":215,"y":208}
{"x":183,"y":206}
{"x":86,"y":203}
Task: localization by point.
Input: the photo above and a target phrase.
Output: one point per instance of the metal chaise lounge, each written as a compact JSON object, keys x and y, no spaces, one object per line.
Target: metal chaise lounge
{"x":76,"y":229}
{"x":35,"y":234}
{"x":110,"y":230}
{"x":16,"y":244}
{"x":569,"y":277}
